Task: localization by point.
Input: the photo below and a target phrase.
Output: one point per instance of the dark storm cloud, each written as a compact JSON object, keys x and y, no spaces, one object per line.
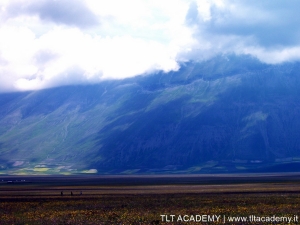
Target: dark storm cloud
{"x":270,"y":23}
{"x":68,"y":12}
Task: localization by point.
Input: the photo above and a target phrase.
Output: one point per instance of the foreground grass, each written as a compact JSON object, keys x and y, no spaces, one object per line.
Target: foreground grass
{"x":146,"y":208}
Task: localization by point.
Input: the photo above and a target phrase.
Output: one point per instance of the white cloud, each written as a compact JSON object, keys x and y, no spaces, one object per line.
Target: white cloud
{"x":47,"y":43}
{"x":132,"y":38}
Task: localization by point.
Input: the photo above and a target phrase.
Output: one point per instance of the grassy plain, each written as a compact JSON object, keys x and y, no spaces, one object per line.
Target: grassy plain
{"x":144,"y":203}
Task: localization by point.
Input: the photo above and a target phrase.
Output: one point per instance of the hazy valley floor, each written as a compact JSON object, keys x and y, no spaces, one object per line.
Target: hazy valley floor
{"x":29,"y":201}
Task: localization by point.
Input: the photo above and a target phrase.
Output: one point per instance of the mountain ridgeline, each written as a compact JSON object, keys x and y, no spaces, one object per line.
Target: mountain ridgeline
{"x":226,"y":114}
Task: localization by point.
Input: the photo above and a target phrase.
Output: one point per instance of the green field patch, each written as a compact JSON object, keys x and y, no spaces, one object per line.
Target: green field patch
{"x":90,"y":171}
{"x":41,"y":169}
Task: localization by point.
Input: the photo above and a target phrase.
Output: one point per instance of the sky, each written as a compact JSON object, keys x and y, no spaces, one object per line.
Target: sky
{"x":49,"y":43}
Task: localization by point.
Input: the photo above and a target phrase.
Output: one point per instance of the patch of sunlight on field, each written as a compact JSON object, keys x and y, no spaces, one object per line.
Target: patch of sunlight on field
{"x":20,"y":173}
{"x":41,"y":169}
{"x":90,"y":171}
{"x":65,"y":173}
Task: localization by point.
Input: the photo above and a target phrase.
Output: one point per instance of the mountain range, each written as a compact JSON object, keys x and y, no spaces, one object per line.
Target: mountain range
{"x":224,"y":115}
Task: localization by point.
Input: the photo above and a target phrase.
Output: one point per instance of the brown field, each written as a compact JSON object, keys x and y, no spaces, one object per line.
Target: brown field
{"x":40,"y":203}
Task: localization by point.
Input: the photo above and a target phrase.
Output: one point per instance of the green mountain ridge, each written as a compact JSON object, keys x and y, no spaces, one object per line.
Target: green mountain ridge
{"x":227,"y":114}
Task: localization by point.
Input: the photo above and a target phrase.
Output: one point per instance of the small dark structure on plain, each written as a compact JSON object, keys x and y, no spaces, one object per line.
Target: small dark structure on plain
{"x":61,"y":193}
{"x":71,"y":193}
{"x":80,"y":192}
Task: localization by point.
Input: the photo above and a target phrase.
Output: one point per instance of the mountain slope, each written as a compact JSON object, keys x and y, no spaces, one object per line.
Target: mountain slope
{"x":226,"y":114}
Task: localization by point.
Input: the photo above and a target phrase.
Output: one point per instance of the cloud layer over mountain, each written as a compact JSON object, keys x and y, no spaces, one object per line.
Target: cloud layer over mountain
{"x":47,"y":43}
